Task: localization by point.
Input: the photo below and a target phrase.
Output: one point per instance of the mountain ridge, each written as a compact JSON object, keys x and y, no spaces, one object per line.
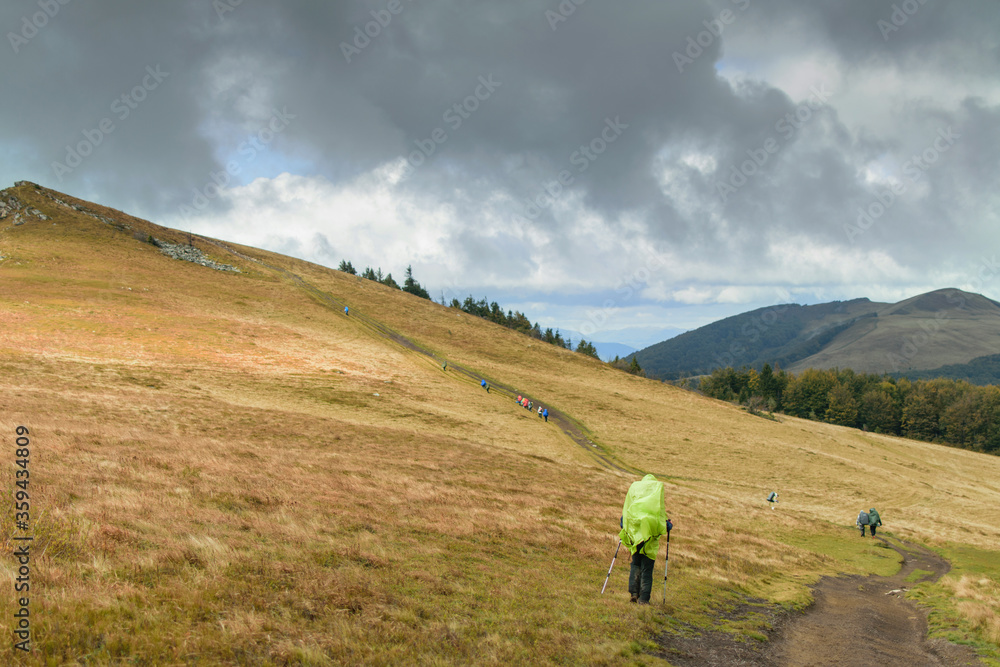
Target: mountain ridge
{"x":943,"y":327}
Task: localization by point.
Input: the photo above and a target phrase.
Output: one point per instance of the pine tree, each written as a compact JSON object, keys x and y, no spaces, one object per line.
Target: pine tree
{"x":411,"y":286}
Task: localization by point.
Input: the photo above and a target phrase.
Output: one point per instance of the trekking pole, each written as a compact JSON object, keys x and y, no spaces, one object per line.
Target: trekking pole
{"x":666,"y":563}
{"x":612,"y":565}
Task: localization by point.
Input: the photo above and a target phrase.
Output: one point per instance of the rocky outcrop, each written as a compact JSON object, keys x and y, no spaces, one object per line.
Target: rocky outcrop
{"x":10,"y":205}
{"x":189,"y":253}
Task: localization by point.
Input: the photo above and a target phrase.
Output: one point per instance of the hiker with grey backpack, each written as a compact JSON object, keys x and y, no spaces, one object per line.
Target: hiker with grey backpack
{"x":863,"y":519}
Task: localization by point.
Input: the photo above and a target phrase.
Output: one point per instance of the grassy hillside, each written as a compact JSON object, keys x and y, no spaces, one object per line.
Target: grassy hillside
{"x":225,"y":467}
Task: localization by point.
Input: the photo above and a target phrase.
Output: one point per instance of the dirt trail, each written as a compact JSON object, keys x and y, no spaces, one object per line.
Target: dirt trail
{"x":854,"y":622}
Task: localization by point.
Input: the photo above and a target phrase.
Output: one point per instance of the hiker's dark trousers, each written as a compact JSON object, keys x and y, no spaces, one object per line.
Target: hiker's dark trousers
{"x":871,"y":527}
{"x":640,"y":576}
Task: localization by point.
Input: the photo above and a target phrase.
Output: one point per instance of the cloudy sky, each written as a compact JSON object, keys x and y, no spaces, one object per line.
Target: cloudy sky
{"x":617,"y":169}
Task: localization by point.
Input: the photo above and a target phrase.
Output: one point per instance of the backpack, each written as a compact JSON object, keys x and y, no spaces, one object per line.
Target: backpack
{"x":863,"y":518}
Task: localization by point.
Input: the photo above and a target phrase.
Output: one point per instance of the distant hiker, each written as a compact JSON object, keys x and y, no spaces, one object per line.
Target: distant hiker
{"x":519,"y":399}
{"x":530,"y":403}
{"x":873,"y":520}
{"x":863,"y":520}
{"x":539,"y":412}
{"x":487,"y":389}
{"x":482,"y":383}
{"x":545,"y":413}
{"x":644,"y":519}
{"x":345,"y":310}
{"x":444,"y":366}
{"x":773,"y":499}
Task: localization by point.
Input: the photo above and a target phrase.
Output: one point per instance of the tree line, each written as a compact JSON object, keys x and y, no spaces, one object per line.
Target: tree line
{"x":410,"y":284}
{"x":492,"y":312}
{"x":518,"y":321}
{"x":946,"y":411}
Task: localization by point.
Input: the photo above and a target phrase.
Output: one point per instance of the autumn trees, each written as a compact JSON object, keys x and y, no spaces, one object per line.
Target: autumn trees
{"x":952,"y":412}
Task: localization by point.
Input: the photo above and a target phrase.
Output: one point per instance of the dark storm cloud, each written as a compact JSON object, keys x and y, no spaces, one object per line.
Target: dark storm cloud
{"x":488,"y":97}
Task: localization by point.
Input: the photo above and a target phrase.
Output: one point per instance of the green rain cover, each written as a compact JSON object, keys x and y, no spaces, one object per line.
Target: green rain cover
{"x":644,"y":516}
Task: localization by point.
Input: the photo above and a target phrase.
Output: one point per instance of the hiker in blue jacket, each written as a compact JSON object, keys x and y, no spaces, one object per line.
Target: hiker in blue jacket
{"x":545,"y":414}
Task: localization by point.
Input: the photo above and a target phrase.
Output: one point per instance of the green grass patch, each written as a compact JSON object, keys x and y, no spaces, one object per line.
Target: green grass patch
{"x":853,"y":554}
{"x":963,"y":605}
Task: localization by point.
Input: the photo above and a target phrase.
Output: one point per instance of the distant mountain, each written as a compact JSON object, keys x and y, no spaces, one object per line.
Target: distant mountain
{"x":606,"y":351}
{"x":945,"y":327}
{"x":609,"y":351}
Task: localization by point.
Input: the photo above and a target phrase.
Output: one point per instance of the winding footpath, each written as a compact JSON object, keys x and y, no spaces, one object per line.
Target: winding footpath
{"x":855,"y":621}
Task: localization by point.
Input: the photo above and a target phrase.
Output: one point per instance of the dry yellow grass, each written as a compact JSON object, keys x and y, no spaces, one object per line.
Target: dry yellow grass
{"x":224,"y":468}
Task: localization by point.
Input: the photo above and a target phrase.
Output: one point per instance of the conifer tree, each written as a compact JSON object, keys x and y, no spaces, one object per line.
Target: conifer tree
{"x":411,"y":286}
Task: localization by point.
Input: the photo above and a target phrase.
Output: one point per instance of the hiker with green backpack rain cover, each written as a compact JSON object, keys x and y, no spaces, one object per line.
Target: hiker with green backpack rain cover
{"x":644,"y":519}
